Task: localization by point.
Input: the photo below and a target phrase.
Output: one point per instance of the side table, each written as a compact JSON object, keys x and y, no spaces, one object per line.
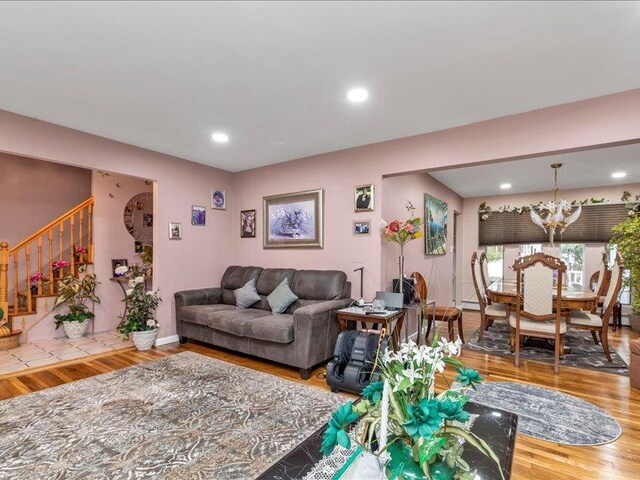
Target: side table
{"x":393,"y":320}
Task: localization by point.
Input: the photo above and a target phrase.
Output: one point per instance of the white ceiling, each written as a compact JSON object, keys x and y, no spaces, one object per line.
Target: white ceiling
{"x":164,"y":75}
{"x":591,"y":168}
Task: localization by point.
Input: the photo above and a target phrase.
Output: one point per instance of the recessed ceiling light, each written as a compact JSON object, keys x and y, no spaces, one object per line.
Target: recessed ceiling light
{"x":220,"y":137}
{"x":505,"y":186}
{"x":618,"y":174}
{"x":357,"y":95}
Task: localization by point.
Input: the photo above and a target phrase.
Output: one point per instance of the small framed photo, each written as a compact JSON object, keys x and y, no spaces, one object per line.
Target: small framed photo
{"x":175,"y":231}
{"x":362,"y":227}
{"x":137,"y":246}
{"x":218,"y":199}
{"x":198,"y":215}
{"x":363,"y":198}
{"x":147,"y":219}
{"x":116,"y":263}
{"x":247,"y":223}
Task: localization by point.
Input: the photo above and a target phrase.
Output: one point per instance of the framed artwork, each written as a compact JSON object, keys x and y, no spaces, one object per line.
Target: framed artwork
{"x":294,"y":220}
{"x":218,"y":199}
{"x":435,"y":225}
{"x":362,"y":227}
{"x":118,"y":262}
{"x":247,"y":223}
{"x":175,"y":231}
{"x":138,"y":246}
{"x":363,"y":198}
{"x":198,"y":215}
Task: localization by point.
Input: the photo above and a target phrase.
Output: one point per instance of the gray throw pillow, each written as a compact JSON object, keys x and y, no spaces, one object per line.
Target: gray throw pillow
{"x":280,"y":299}
{"x":247,"y":295}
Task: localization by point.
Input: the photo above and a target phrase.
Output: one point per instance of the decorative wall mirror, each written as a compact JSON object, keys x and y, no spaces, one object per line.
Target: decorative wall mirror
{"x":138,"y":217}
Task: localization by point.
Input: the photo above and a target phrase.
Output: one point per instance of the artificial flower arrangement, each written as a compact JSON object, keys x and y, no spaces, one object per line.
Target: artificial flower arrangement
{"x":401,"y":232}
{"x":413,"y":432}
{"x":37,"y":277}
{"x":141,"y":304}
{"x":59,"y":264}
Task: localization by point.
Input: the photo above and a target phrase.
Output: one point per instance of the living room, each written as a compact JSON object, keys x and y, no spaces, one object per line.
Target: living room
{"x":221,"y":112}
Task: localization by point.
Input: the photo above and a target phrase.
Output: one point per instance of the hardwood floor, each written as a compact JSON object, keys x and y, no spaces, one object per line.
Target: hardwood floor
{"x":534,"y":459}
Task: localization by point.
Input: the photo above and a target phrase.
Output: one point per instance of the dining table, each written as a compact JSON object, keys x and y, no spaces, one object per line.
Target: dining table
{"x":573,"y":297}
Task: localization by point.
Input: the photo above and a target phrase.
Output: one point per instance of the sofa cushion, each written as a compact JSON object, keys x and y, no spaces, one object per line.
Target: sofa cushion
{"x":233,"y":321}
{"x":235,"y":277}
{"x":270,"y":278}
{"x":247,"y":295}
{"x":319,"y":284}
{"x":281,"y":297}
{"x":201,"y":314}
{"x":272,"y":328}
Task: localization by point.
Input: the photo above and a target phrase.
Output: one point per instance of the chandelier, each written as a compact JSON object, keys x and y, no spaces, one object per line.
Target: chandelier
{"x":555,"y":214}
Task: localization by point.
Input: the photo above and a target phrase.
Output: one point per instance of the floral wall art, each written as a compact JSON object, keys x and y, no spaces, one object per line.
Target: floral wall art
{"x":294,"y":220}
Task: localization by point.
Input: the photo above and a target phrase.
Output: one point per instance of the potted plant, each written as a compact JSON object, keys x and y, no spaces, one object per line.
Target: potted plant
{"x":35,"y":279}
{"x":138,"y":321}
{"x":79,"y":254}
{"x":407,"y":429}
{"x":627,"y":242}
{"x":76,"y":293}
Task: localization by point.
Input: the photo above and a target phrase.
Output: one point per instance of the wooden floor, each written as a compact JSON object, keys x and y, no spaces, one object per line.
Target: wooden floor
{"x":534,"y":459}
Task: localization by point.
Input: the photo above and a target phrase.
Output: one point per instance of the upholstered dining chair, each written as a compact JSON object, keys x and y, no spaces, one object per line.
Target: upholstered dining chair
{"x":484,"y":274}
{"x":488,"y":312}
{"x":451,"y":315}
{"x":598,"y":324}
{"x":537,"y":314}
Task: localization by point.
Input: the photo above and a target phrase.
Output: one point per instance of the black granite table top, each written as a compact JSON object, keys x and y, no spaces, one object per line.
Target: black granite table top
{"x":496,"y":427}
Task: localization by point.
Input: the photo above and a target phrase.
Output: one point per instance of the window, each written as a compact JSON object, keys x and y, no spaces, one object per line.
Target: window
{"x":530,"y":249}
{"x":573,"y":255}
{"x":495,"y":262}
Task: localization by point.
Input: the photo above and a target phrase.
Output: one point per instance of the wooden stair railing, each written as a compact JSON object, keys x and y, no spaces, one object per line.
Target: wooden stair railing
{"x":44,"y":248}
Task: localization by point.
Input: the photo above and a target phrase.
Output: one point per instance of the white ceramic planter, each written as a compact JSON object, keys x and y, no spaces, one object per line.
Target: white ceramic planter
{"x":75,"y":330}
{"x":144,"y":340}
{"x":634,"y":321}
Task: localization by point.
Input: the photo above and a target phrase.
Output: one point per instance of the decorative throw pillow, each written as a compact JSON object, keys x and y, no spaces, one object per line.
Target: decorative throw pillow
{"x":280,"y":299}
{"x":247,"y":295}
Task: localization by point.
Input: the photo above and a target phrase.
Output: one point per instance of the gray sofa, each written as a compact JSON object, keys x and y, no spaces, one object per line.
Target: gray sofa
{"x":303,"y":336}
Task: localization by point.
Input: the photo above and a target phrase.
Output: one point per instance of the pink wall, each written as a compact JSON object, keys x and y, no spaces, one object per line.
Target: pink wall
{"x":196,"y":261}
{"x":437,"y":269}
{"x":470,"y":226}
{"x":201,"y":257}
{"x":600,"y":121}
{"x":33,"y":193}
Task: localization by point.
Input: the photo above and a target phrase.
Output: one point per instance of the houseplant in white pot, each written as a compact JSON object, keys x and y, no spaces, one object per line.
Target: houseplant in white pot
{"x":76,"y":293}
{"x":627,"y":241}
{"x":138,"y":321}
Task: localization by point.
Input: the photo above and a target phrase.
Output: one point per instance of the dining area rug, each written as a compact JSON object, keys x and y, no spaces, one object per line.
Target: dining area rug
{"x":186,"y":416}
{"x":584,"y":352}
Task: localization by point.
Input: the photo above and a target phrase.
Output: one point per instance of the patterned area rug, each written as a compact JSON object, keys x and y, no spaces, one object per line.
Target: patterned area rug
{"x":584,"y":352}
{"x":550,"y":415}
{"x":187,"y":416}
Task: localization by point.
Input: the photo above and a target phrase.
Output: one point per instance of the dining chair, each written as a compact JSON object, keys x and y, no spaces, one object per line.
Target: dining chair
{"x":599,"y":323}
{"x":537,"y":313}
{"x":484,"y":275}
{"x":451,"y":315}
{"x":488,"y":312}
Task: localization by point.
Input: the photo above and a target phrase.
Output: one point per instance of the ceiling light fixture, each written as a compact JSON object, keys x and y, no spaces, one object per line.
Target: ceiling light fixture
{"x":618,"y":174}
{"x":505,"y":186}
{"x":220,"y":137}
{"x":560,"y":213}
{"x":357,"y":95}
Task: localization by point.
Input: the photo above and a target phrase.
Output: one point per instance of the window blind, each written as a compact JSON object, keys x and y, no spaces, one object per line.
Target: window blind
{"x":593,"y":226}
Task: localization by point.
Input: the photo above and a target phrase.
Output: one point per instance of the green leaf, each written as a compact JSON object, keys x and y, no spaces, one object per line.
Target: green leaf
{"x":429,"y":448}
{"x":343,"y":439}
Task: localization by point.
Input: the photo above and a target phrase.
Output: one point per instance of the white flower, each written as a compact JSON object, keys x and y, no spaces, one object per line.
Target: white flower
{"x":411,"y":374}
{"x":129,"y":291}
{"x":408,"y":348}
{"x":422,"y":354}
{"x":138,"y":280}
{"x":132,"y":283}
{"x":121,"y":270}
{"x":151,"y":323}
{"x":149,"y":293}
{"x":450,"y":348}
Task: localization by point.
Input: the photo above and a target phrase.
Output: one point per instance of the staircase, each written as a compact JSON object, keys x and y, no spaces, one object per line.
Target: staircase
{"x":30,"y":269}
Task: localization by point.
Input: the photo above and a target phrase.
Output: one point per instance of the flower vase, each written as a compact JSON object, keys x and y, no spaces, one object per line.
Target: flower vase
{"x":144,"y":340}
{"x":401,"y":270}
{"x":403,"y":467}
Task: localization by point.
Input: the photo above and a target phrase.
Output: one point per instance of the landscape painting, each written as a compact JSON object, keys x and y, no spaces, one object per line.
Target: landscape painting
{"x":435,"y":225}
{"x":293,"y":220}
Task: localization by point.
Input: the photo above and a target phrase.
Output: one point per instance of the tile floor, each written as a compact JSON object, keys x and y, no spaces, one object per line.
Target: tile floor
{"x":46,"y":352}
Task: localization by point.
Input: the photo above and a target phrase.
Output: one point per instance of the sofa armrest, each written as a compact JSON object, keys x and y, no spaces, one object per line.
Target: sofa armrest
{"x":201,"y":296}
{"x":315,"y":329}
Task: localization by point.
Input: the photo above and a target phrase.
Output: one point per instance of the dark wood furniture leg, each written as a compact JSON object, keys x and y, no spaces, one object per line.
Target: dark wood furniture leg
{"x":183,"y":339}
{"x":305,"y":373}
{"x":460,"y":332}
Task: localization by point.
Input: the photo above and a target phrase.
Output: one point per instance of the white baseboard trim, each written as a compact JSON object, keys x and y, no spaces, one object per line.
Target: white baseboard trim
{"x":165,"y":340}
